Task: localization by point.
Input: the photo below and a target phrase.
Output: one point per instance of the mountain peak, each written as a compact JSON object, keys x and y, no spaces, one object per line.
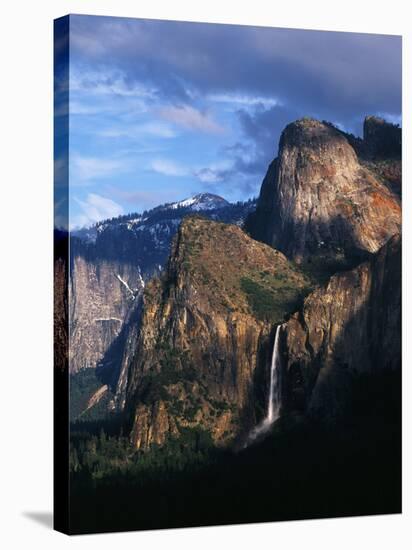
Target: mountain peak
{"x":201,"y":201}
{"x":205,"y":319}
{"x":310,"y":131}
{"x":317,"y":199}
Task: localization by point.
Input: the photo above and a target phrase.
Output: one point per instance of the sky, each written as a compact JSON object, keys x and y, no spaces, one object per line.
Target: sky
{"x":161,"y":110}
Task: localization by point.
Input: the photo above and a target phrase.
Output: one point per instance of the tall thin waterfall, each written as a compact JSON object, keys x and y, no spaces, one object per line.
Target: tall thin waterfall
{"x":274,"y":389}
{"x":274,"y":400}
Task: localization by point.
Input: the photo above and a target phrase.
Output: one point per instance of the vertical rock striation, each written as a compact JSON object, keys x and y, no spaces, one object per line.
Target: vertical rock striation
{"x":351,"y":325}
{"x":102,"y":298}
{"x":206,"y":331}
{"x":316,"y":198}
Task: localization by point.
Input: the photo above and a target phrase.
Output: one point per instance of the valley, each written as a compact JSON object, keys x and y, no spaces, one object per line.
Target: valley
{"x":219,"y":349}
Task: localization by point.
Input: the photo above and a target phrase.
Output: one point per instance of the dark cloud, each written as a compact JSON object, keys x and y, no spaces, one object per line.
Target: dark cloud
{"x":250,"y":158}
{"x":338,"y":75}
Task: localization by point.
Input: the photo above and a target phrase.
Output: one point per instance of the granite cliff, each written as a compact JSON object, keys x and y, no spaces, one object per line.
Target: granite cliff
{"x":318,"y":200}
{"x":350,"y":326}
{"x":191,"y":350}
{"x":108,"y":266}
{"x":102,"y":297}
{"x":110,"y":261}
{"x":207,"y":334}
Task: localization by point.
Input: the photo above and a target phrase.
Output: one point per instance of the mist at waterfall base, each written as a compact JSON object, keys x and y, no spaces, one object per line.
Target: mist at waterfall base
{"x":274,"y":398}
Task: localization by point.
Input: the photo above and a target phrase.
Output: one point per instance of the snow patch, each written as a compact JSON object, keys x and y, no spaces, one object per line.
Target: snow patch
{"x":126,"y":286}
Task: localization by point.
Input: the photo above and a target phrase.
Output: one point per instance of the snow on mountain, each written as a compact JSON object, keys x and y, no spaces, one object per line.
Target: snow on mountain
{"x":144,"y":239}
{"x":202,"y":201}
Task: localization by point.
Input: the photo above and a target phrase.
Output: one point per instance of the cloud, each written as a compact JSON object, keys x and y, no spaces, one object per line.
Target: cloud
{"x":85,"y":109}
{"x":262,"y":127}
{"x":107,"y":81}
{"x":86,"y":169}
{"x":215,"y":172}
{"x":248,"y":159}
{"x":168,"y":168}
{"x":191,"y":118}
{"x":209,"y":175}
{"x":189,"y":77}
{"x":156,"y":129}
{"x":245,"y":100}
{"x":338,"y":74}
{"x":95,"y":208}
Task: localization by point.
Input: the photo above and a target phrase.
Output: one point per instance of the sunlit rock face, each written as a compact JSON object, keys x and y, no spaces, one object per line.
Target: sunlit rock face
{"x":318,"y":199}
{"x":352,"y":325}
{"x":205,"y":339}
{"x":108,"y":264}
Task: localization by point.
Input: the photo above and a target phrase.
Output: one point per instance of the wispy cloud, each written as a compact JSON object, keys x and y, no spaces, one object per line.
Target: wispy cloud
{"x":85,"y":169}
{"x":95,"y":208}
{"x":168,"y":168}
{"x":156,"y":129}
{"x":214,"y":173}
{"x":224,"y":92}
{"x":209,"y":175}
{"x":339,"y":74}
{"x":82,"y":108}
{"x":108,"y":82}
{"x":191,"y":118}
{"x":244,"y":100}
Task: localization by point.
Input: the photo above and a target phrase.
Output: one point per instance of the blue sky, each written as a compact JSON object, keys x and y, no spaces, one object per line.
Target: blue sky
{"x":160,"y":110}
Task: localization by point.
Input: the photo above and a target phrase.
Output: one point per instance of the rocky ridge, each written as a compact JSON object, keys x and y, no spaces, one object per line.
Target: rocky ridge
{"x":318,"y":200}
{"x":206,"y":334}
{"x":102,"y":296}
{"x":350,"y":326}
{"x":108,"y":266}
{"x":194,"y":350}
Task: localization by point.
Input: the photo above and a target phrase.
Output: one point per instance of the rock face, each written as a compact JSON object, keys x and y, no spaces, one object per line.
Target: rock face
{"x":192,"y":352}
{"x":381,"y":152}
{"x":102,"y":297}
{"x":316,"y":198}
{"x":61,"y":309}
{"x":206,"y":334}
{"x":351,"y":325}
{"x":108,"y":264}
{"x":382,"y":139}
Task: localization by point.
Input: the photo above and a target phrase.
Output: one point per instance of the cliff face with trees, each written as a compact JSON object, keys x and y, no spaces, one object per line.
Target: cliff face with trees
{"x":204,"y":350}
{"x":109,"y":263}
{"x":206,"y":334}
{"x":187,"y":377}
{"x":190,"y":352}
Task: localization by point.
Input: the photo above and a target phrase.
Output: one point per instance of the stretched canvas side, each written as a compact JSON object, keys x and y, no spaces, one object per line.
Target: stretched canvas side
{"x":61,"y":274}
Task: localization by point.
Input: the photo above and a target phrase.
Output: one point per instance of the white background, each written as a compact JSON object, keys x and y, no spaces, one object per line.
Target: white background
{"x":26,"y":273}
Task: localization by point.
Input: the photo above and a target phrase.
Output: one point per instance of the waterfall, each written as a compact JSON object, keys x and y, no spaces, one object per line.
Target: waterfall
{"x":274,"y":389}
{"x":274,"y":400}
